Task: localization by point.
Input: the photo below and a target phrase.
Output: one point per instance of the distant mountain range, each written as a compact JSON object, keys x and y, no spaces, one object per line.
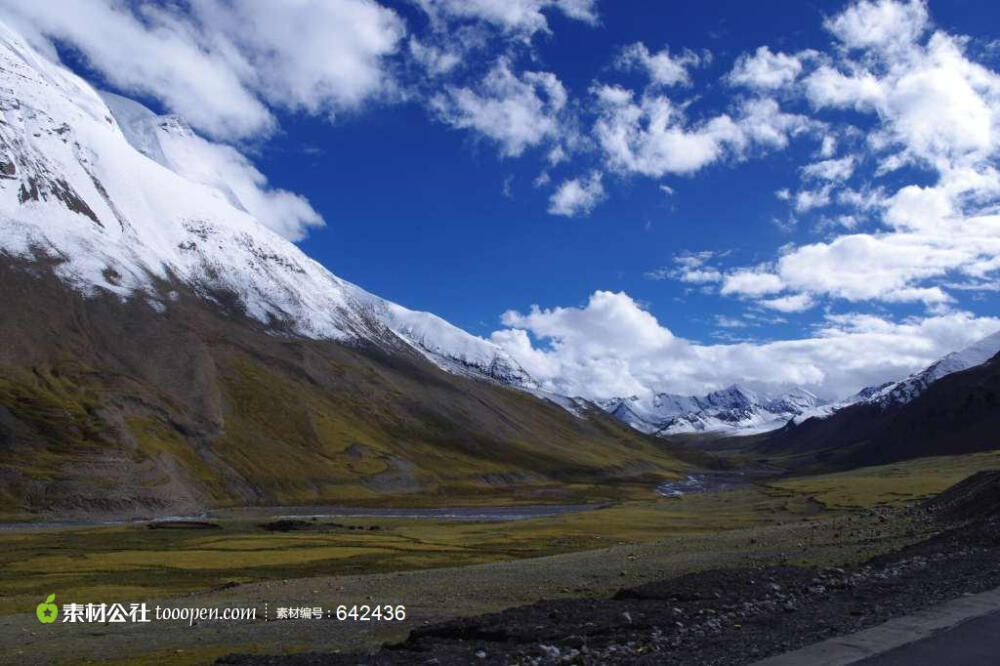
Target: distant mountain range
{"x":740,"y":411}
{"x":733,"y":409}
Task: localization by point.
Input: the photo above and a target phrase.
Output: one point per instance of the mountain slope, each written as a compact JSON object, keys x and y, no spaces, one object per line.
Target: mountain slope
{"x":163,"y":351}
{"x":951,"y":407}
{"x":73,"y":187}
{"x":112,"y":407}
{"x":731,"y":410}
{"x":959,"y":413}
{"x":908,"y":389}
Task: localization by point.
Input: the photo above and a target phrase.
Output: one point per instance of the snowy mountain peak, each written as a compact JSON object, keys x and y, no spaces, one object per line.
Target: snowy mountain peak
{"x":891,"y":395}
{"x":902,"y":392}
{"x":732,"y":409}
{"x":126,"y":201}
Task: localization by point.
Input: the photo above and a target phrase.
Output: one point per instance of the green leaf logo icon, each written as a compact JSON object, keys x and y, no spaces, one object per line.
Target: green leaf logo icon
{"x":47,"y":612}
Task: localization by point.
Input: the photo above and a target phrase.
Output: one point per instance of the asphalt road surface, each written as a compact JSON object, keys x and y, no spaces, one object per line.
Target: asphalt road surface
{"x":972,"y":643}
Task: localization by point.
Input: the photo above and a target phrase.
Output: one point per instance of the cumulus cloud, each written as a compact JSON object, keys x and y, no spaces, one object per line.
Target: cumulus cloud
{"x":652,"y":135}
{"x":690,"y":267}
{"x":577,"y":196}
{"x":793,"y":303}
{"x":435,"y":60}
{"x":612,"y":347}
{"x":929,"y":105}
{"x":662,"y":68}
{"x":521,"y":18}
{"x":933,"y":102}
{"x":517,"y":111}
{"x":880,"y":24}
{"x":765,"y":70}
{"x":806,"y":200}
{"x":831,"y":169}
{"x":223,"y":63}
{"x":751,"y":282}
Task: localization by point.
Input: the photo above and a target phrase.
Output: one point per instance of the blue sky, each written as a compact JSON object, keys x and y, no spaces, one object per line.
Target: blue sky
{"x":416,"y":210}
{"x":865,"y":134}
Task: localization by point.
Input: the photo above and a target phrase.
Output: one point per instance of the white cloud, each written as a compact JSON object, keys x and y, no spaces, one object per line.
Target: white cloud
{"x":700,"y":275}
{"x":828,"y":146}
{"x":652,"y":135}
{"x":832,"y":169}
{"x":435,"y":60}
{"x":751,"y":282}
{"x":612,"y":347}
{"x":929,"y":106}
{"x":764,"y":123}
{"x":313,"y":55}
{"x":933,"y":102}
{"x":722,"y":321}
{"x":221,"y":65}
{"x":226,"y":169}
{"x":881,"y":25}
{"x":662,"y":68}
{"x":793,"y":303}
{"x":516,"y":111}
{"x":577,"y":196}
{"x":806,"y":200}
{"x":765,"y":70}
{"x":828,"y":87}
{"x":169,"y":141}
{"x":886,"y":266}
{"x":691,"y":268}
{"x":522,"y":18}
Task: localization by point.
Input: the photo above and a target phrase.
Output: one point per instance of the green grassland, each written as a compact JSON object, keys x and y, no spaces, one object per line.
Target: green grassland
{"x":822,"y":520}
{"x":889,"y":485}
{"x":133,"y":562}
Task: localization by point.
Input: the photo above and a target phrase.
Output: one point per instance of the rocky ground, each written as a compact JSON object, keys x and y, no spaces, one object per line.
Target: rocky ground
{"x":726,"y":616}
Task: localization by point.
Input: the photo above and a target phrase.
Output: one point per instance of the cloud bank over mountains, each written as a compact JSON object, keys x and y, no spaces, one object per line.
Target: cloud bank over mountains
{"x":612,"y":347}
{"x":900,"y":121}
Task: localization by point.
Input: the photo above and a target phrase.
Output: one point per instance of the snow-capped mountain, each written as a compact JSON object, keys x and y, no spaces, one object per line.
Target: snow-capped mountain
{"x":947,"y":409}
{"x":891,"y":395}
{"x":904,"y":391}
{"x":733,"y":409}
{"x":738,"y":410}
{"x":112,"y":194}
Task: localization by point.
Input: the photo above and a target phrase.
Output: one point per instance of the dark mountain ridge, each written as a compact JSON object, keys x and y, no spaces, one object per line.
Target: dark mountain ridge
{"x":958,"y":413}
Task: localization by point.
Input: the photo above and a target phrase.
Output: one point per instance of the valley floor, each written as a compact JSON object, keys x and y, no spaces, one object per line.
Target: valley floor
{"x":439,"y":570}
